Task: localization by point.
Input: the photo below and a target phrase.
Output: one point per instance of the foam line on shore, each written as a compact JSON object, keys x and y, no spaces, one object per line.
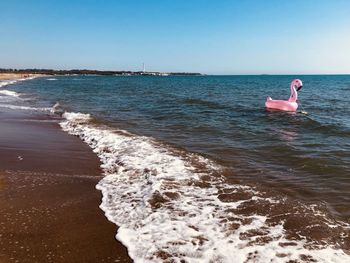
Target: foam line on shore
{"x":9,"y":96}
{"x":173,"y":205}
{"x":9,"y":93}
{"x":7,"y":82}
{"x":4,"y":83}
{"x":27,"y":108}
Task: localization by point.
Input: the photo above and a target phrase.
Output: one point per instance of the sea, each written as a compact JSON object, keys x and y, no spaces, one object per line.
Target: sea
{"x":197,"y":170}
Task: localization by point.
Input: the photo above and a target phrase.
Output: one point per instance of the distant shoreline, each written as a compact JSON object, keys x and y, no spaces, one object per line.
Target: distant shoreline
{"x":18,"y":76}
{"x":93,"y":72}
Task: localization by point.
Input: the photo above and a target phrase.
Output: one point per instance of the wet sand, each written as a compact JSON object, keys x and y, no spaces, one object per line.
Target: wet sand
{"x":49,"y":207}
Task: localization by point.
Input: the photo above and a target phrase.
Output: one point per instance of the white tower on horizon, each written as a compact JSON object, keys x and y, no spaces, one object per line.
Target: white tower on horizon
{"x":143,"y":67}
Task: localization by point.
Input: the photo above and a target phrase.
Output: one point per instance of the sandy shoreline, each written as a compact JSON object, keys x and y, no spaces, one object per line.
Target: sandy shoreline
{"x":15,"y":76}
{"x":49,"y":207}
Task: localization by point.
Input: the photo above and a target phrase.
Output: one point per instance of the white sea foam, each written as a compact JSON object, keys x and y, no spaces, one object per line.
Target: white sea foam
{"x":4,"y":83}
{"x":27,"y":108}
{"x":7,"y":82}
{"x":7,"y":96}
{"x":9,"y":93}
{"x":164,"y":212}
{"x":51,"y":79}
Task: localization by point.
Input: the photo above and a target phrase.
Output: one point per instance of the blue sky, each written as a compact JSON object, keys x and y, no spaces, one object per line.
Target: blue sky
{"x":214,"y":37}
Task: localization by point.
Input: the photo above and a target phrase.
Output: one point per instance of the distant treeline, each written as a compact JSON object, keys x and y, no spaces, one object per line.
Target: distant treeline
{"x":89,"y":72}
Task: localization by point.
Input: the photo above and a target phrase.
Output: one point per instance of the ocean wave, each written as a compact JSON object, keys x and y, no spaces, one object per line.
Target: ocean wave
{"x":327,"y":128}
{"x":9,"y":93}
{"x":204,"y":103}
{"x":18,"y":107}
{"x":4,"y":83}
{"x":175,"y":206}
{"x":7,"y":82}
{"x":51,"y":79}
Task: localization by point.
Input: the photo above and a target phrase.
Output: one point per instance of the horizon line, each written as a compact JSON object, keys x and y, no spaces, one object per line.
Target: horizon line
{"x":211,"y":74}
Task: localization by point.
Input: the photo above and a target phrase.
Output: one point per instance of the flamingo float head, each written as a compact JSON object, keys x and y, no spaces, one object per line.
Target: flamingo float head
{"x":297,"y":84}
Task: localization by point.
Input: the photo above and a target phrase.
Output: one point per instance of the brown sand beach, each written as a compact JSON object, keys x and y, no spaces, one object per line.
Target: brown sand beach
{"x":14,"y":76}
{"x":49,"y":207}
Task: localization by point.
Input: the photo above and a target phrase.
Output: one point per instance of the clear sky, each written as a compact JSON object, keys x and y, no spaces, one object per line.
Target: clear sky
{"x":208,"y":36}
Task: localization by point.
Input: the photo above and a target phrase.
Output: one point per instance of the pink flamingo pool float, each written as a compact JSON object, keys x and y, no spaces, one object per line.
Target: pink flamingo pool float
{"x":286,"y":105}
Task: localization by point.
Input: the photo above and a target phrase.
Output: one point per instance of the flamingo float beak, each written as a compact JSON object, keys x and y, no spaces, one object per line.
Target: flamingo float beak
{"x":299,"y":88}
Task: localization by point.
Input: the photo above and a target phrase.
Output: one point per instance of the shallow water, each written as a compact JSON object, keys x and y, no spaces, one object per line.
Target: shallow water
{"x":252,"y":178}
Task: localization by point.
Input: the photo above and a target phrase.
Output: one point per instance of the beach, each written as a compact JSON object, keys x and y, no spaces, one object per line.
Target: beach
{"x":16,"y":76}
{"x":49,"y":207}
{"x":193,"y":174}
{"x":175,"y":131}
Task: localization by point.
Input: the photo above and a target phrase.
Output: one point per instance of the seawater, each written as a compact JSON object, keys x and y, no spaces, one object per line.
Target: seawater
{"x":196,"y":169}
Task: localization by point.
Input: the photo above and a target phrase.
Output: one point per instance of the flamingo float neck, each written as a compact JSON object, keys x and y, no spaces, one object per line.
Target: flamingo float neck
{"x":293,"y":92}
